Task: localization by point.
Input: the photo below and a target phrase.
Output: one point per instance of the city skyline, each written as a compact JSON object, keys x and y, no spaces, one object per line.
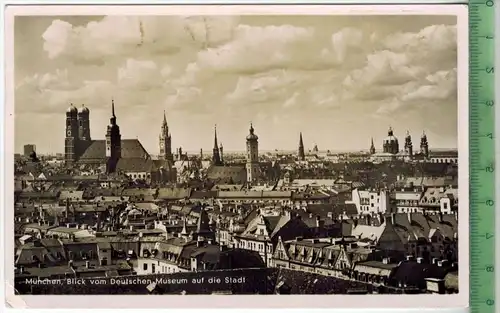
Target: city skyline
{"x":381,"y":71}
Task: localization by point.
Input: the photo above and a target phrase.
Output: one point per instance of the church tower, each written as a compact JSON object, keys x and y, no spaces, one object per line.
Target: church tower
{"x":391,"y":144}
{"x":165,"y":141}
{"x":216,"y":160}
{"x":113,"y":142}
{"x":301,"y":153}
{"x":221,"y":153}
{"x":372,"y":148}
{"x":424,"y":145}
{"x":84,"y":124}
{"x":252,"y":156}
{"x":408,"y":144}
{"x":71,"y":140}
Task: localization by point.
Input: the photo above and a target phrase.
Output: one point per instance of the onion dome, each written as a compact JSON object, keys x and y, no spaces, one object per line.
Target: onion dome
{"x":390,"y":137}
{"x":84,"y":109}
{"x":72,"y":109}
{"x":252,"y":135}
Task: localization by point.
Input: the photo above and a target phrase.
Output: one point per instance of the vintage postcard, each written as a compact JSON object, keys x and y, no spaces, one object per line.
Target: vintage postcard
{"x":222,"y":152}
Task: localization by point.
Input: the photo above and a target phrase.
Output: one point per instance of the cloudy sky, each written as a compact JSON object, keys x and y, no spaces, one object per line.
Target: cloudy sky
{"x":339,"y":80}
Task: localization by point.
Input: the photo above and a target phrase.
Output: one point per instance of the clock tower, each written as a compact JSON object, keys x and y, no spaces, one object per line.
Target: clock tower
{"x":165,"y":141}
{"x":71,"y":139}
{"x":113,"y":142}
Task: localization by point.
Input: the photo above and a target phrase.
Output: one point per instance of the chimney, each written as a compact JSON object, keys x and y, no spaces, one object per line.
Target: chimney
{"x":210,"y":242}
{"x":199,"y":243}
{"x":318,"y":222}
{"x":70,"y":263}
{"x":440,"y":216}
{"x":131,"y":227}
{"x":420,"y":260}
{"x":87,"y":264}
{"x":386,"y":260}
{"x":68,"y":225}
{"x":141,"y":234}
{"x":434,"y":261}
{"x":409,"y":258}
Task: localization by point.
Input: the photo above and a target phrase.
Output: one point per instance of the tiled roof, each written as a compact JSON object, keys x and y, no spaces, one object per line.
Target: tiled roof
{"x":130,"y":148}
{"x":203,"y":194}
{"x":134,"y":165}
{"x":70,"y":194}
{"x":444,"y":154}
{"x":227,"y":174}
{"x":173,"y":193}
{"x":413,"y":274}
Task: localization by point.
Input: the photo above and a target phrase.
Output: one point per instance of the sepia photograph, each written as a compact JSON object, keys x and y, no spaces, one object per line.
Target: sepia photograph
{"x":238,"y":150}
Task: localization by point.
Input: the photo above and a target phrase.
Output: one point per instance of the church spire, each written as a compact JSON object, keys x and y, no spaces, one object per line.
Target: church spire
{"x":216,"y":160}
{"x":301,"y":152}
{"x":164,"y":118}
{"x":372,"y":147}
{"x":113,"y":116}
{"x":216,"y":146}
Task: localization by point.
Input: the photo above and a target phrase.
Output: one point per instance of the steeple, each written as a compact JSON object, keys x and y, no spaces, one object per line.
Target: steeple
{"x":184,"y":229}
{"x":215,"y":137}
{"x":216,"y":160}
{"x":252,"y":165}
{"x":113,"y":141}
{"x":165,"y":141}
{"x":408,"y":144}
{"x":424,"y":145}
{"x":372,"y":147}
{"x":301,"y":152}
{"x":112,"y":120}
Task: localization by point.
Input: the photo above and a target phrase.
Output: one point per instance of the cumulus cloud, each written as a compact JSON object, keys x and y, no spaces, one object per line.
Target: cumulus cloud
{"x":246,"y":53}
{"x":345,"y":39}
{"x":142,"y":74}
{"x":407,"y":68}
{"x":243,"y":69}
{"x":99,"y":40}
{"x":53,"y":92}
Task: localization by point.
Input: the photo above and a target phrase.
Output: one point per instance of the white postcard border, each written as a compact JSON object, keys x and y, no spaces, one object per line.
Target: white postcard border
{"x":243,"y":301}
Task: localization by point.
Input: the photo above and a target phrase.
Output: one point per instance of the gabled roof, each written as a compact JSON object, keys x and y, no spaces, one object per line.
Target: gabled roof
{"x":130,"y":148}
{"x":135,"y":165}
{"x":173,"y":193}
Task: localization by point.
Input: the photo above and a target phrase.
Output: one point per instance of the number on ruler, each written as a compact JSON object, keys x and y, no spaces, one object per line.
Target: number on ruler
{"x":488,"y":236}
{"x":489,"y":169}
{"x":489,"y":135}
{"x":490,"y":103}
{"x":490,"y":3}
{"x":490,"y":302}
{"x":490,"y":269}
{"x":488,"y":37}
{"x":490,"y":202}
{"x":490,"y":70}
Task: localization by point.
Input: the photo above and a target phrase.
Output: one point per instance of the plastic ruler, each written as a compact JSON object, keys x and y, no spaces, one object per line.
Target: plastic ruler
{"x":482,"y":155}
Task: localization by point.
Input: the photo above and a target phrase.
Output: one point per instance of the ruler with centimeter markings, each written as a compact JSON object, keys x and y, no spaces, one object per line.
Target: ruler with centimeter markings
{"x":482,"y":155}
